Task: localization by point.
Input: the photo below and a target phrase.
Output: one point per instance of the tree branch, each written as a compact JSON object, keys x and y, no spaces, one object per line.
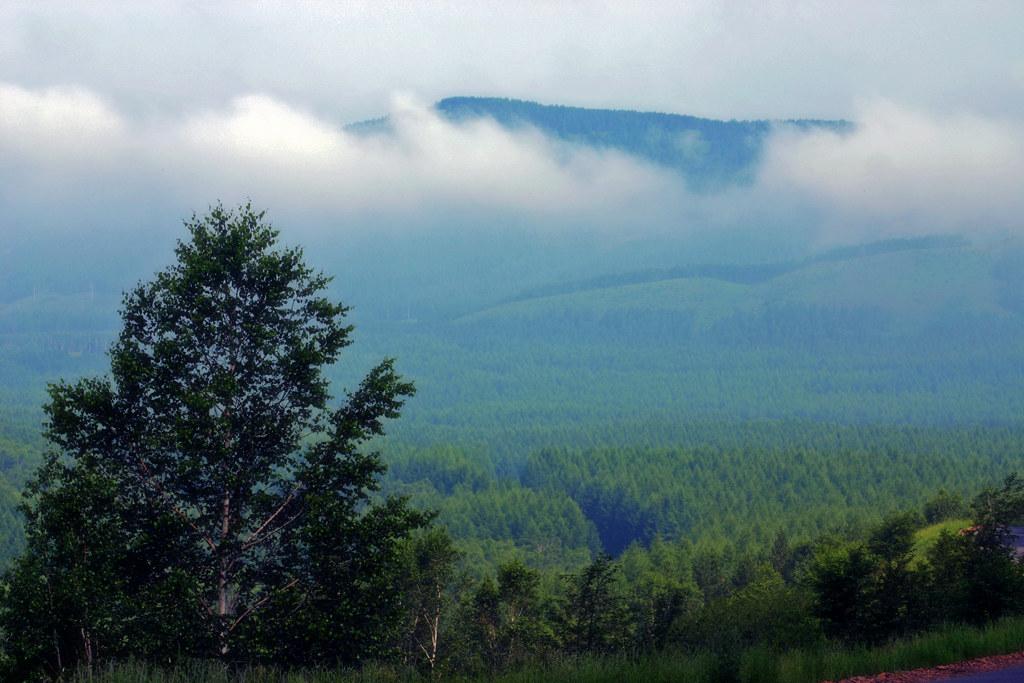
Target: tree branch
{"x":246,"y":543}
{"x":149,"y":479}
{"x":246,"y":612}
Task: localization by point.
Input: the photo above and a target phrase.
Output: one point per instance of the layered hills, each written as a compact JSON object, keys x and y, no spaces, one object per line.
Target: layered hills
{"x":905,"y":286}
{"x":586,"y":374}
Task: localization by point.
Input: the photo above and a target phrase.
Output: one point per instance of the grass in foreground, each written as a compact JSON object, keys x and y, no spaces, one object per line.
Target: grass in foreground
{"x":657,"y":669}
{"x":828,"y":662}
{"x":946,"y":645}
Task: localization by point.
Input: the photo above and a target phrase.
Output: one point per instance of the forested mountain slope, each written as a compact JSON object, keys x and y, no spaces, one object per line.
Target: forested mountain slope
{"x":708,"y":153}
{"x":579,"y":392}
{"x":710,"y":485}
{"x":908,"y":287}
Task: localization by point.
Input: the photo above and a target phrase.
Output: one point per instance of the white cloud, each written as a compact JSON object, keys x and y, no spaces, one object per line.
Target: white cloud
{"x":258,"y":129}
{"x":262,"y":147}
{"x":60,"y":124}
{"x":904,"y":170}
{"x":289,"y":159}
{"x":72,"y":155}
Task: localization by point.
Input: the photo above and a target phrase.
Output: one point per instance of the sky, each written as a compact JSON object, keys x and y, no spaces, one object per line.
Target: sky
{"x":129,"y":114}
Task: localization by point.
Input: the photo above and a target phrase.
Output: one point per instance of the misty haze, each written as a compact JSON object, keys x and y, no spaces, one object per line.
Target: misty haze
{"x":713,"y":313}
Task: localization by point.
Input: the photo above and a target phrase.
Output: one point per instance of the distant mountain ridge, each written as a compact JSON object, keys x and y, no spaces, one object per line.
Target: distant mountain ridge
{"x":917,"y":286}
{"x":746,"y":274}
{"x":709,"y":153}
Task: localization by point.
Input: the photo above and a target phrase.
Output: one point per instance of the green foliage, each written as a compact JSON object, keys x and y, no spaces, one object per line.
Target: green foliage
{"x":830,"y":661}
{"x":927,"y":537}
{"x":974,"y":575}
{"x":540,"y":527}
{"x":763,"y":630}
{"x":704,"y":423}
{"x":428,"y":576}
{"x":12,"y":536}
{"x":499,"y":625}
{"x":593,"y":617}
{"x":841,"y":477}
{"x":205,"y":499}
{"x":662,"y":596}
{"x":765,"y":614}
{"x":868,"y":591}
{"x":944,"y":506}
{"x":499,"y":388}
{"x":995,"y":508}
{"x":82,"y":592}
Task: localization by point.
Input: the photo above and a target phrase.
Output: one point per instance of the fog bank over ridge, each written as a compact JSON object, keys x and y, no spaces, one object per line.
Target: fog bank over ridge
{"x":71,"y":159}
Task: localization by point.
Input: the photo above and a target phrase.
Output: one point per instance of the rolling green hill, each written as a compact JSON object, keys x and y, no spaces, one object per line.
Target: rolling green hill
{"x":858,"y":380}
{"x":902,"y":289}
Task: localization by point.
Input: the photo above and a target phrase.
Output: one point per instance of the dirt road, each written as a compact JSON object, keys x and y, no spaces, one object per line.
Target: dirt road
{"x":1003,"y":668}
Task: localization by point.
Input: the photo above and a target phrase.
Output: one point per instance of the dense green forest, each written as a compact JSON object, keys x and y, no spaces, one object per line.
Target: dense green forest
{"x":737,"y":463}
{"x":630,"y":449}
{"x":849,"y":401}
{"x":711,"y":460}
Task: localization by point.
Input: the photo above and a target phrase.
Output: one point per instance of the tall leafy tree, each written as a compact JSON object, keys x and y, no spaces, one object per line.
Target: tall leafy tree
{"x":236,"y":485}
{"x":594,"y":616}
{"x":429,"y":574}
{"x":869,"y":590}
{"x":499,"y":624}
{"x":974,"y":574}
